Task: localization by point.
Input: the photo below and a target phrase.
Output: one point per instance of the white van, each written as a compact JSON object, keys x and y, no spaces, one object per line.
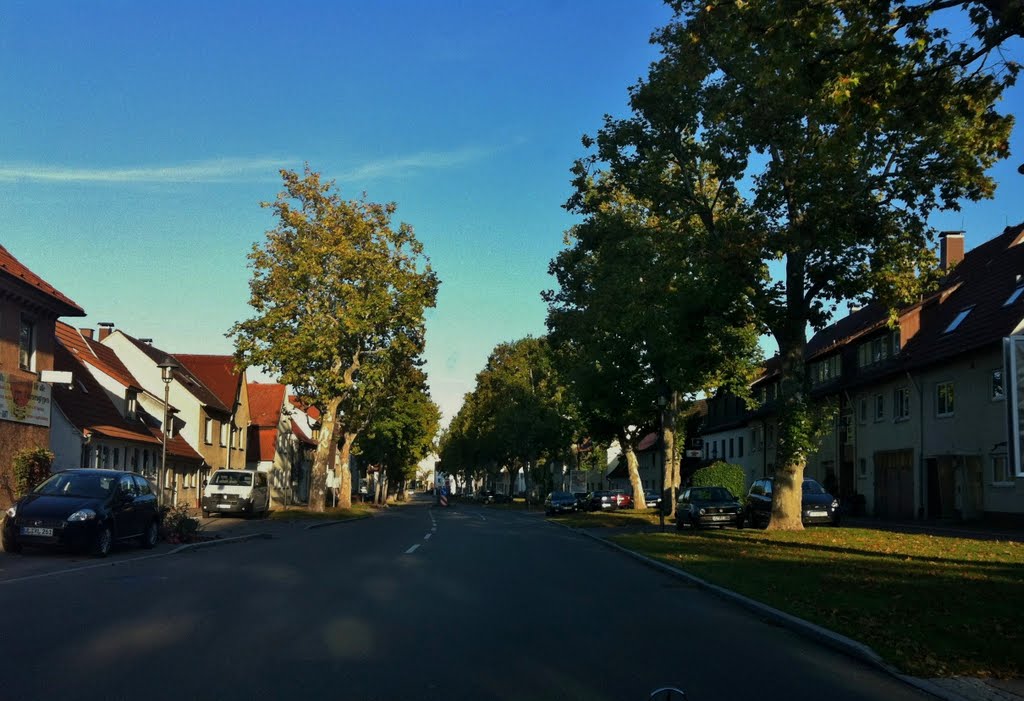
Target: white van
{"x":236,"y":492}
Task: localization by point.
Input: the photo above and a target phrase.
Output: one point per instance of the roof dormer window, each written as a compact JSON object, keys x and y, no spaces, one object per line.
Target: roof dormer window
{"x":1015,"y":295}
{"x":953,"y":325}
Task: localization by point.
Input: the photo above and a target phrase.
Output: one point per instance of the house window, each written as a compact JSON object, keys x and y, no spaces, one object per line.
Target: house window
{"x":959,"y":319}
{"x":901,"y":403}
{"x":117,"y":458}
{"x":223,"y":435}
{"x":878,"y":349}
{"x":825,"y":370}
{"x":208,"y":431}
{"x":863,"y":413}
{"x":1014,"y":296}
{"x":863,"y":467}
{"x":131,"y":405}
{"x":732,"y":446}
{"x":755,"y":443}
{"x":997,"y":384}
{"x":944,"y":399}
{"x":1000,"y":473}
{"x":879,"y":407}
{"x":27,"y":345}
{"x":739,"y":446}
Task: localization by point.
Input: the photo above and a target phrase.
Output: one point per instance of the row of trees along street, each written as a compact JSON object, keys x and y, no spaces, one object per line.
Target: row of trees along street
{"x":781,"y":158}
{"x":339,"y":296}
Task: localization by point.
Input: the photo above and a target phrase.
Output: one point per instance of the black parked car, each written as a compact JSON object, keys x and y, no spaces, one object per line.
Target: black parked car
{"x":653,"y":499}
{"x":707,"y":506}
{"x":489,"y":496}
{"x":602,"y":500}
{"x":818,"y":505}
{"x":84,"y":510}
{"x":559,"y":503}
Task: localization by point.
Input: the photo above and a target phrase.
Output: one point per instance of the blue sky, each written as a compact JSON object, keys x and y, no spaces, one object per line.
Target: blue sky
{"x":137,"y":140}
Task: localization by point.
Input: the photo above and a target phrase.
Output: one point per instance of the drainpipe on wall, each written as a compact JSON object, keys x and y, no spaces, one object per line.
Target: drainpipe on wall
{"x":922,"y":472}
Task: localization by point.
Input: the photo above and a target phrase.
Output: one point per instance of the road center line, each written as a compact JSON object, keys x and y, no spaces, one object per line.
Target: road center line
{"x":412,"y":549}
{"x":427,"y":536}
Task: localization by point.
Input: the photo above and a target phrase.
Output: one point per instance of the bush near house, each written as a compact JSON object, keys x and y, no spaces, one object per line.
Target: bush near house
{"x":721,"y":474}
{"x":31,"y":467}
{"x":178,"y":525}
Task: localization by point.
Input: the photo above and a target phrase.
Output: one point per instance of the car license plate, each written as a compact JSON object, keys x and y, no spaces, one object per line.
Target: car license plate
{"x":815,"y":514}
{"x":721,"y":517}
{"x":31,"y":530}
{"x":224,"y":506}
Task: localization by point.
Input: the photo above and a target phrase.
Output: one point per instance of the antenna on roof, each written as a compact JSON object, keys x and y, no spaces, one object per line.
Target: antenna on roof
{"x":146,"y":340}
{"x":108,"y":324}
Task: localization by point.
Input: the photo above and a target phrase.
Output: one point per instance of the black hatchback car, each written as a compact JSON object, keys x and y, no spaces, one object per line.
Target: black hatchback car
{"x":707,"y":506}
{"x":559,"y":503}
{"x":818,"y":506}
{"x":84,"y":509}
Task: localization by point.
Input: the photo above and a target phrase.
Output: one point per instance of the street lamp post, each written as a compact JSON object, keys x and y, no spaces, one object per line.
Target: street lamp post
{"x":167,"y":369}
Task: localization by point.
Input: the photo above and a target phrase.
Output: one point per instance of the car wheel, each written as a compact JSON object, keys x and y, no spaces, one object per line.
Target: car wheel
{"x":11,"y":546}
{"x":150,"y":536}
{"x":679,"y":524}
{"x":104,"y":539}
{"x":739,"y":520}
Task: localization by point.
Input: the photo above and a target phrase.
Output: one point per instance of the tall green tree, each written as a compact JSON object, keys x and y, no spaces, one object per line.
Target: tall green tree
{"x":841,"y":126}
{"x":335,"y":287}
{"x":403,"y":431}
{"x":642,"y":323}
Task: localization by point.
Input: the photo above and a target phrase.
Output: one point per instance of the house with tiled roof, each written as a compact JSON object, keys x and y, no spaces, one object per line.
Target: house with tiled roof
{"x":278,"y":444}
{"x":29,"y":309}
{"x":209,"y":402}
{"x":98,"y":420}
{"x":922,"y":418}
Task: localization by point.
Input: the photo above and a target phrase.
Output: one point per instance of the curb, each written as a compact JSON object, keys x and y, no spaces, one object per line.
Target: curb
{"x":188,"y":547}
{"x":324,"y":524}
{"x":840,"y":643}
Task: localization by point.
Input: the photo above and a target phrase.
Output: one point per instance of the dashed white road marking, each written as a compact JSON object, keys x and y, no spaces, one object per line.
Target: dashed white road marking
{"x":427,"y":536}
{"x":412,"y":549}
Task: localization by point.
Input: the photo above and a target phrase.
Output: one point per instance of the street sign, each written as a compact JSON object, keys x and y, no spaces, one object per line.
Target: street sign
{"x":693,"y":453}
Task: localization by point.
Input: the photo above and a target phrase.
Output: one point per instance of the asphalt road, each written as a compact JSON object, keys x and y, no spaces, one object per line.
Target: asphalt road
{"x":417,"y":603}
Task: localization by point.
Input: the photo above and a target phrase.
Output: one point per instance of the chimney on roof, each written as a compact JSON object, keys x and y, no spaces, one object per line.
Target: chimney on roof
{"x":105,"y":328}
{"x":86,"y":332}
{"x":951,"y":248}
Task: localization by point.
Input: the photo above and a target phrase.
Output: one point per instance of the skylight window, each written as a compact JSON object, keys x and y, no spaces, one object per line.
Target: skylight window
{"x":1014,"y":296}
{"x":958,"y":320}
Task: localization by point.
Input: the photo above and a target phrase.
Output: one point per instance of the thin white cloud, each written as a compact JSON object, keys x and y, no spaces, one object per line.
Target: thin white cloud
{"x":406,"y":165}
{"x":219,"y":170}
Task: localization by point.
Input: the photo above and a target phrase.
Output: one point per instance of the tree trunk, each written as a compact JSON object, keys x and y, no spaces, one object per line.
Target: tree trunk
{"x":669,"y":469}
{"x":325,"y":450}
{"x":345,"y":474}
{"x":634,"y":479}
{"x":794,"y":438}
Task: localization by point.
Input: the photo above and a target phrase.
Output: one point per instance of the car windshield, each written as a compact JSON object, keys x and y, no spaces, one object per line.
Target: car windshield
{"x":78,"y":484}
{"x":710,"y":494}
{"x":236,"y":478}
{"x":812,"y":487}
{"x":562,"y":495}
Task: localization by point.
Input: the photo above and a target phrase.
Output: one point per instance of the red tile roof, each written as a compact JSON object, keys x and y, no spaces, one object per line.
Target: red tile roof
{"x":311,"y":411}
{"x":182,"y":375}
{"x":264,"y":447}
{"x":87,"y":406}
{"x":217,"y":372}
{"x":95,"y":354}
{"x":265,"y":404}
{"x":14,"y":269}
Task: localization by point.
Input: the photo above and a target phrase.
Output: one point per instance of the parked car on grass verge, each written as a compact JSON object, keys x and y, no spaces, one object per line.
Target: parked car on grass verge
{"x":489,"y":496}
{"x":84,"y":509}
{"x":653,"y":499}
{"x":602,"y":500}
{"x":818,"y":506}
{"x":622,"y":499}
{"x":707,"y":506}
{"x":559,"y":503}
{"x":243,"y":492}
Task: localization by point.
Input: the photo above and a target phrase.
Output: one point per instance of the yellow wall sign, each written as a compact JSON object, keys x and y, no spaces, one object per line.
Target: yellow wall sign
{"x":24,"y":401}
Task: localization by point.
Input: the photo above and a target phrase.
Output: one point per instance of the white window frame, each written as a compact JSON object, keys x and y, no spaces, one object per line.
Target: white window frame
{"x":27,"y":353}
{"x":945,"y":408}
{"x":901,"y":404}
{"x":958,"y":319}
{"x":208,"y":431}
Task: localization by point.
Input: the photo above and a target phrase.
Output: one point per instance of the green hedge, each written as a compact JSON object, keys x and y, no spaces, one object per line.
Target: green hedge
{"x":31,"y":467}
{"x":721,"y":474}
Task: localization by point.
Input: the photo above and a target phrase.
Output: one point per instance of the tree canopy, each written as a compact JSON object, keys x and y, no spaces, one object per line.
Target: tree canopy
{"x":336,"y":289}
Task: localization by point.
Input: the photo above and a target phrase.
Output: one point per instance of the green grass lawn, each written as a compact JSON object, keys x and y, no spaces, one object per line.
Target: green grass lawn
{"x":932,"y":606}
{"x":612,"y":519}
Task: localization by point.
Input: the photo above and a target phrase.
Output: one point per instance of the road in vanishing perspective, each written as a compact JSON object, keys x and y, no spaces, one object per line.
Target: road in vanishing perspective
{"x":467,"y":602}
